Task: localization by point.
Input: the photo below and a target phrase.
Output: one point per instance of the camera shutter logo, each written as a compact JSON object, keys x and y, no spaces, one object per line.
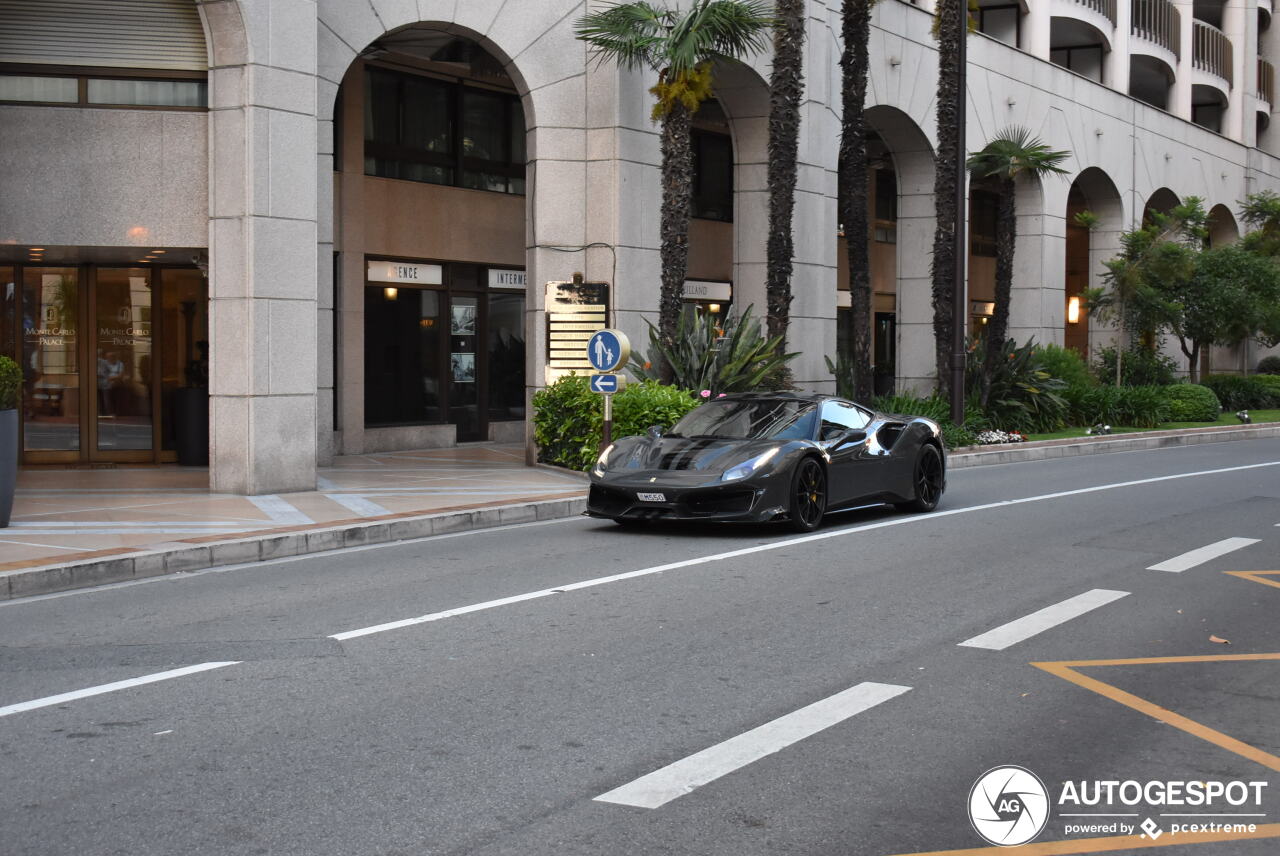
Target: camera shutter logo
{"x":1008,"y":806}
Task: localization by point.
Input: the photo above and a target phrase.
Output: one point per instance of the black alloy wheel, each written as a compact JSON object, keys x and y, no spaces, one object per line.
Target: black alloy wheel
{"x":808,"y":496}
{"x":926,"y":480}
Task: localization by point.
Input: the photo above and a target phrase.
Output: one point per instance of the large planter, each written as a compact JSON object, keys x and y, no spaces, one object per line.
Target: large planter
{"x":8,"y":462}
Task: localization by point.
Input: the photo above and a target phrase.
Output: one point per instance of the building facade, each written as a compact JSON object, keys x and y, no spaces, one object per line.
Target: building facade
{"x":284,"y":230}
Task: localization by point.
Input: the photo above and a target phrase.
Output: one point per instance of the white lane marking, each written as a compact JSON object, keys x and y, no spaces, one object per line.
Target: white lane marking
{"x":775,"y":545}
{"x":1041,"y":620}
{"x":358,"y":504}
{"x":662,"y":786}
{"x":47,"y":701}
{"x":280,"y":511}
{"x":1188,"y":560}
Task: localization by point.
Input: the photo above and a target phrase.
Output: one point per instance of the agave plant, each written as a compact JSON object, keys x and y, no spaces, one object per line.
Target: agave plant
{"x":706,"y":355}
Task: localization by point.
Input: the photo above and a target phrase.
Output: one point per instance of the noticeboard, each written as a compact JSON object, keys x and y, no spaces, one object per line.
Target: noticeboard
{"x":575,"y":311}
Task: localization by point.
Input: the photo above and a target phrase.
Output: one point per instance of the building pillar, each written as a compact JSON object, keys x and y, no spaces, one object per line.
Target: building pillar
{"x":1117,"y":72}
{"x":262,"y":247}
{"x":1237,"y":122}
{"x":1037,"y":25}
{"x":1180,"y":92}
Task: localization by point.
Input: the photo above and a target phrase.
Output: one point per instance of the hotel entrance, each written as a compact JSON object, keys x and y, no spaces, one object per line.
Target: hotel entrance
{"x":114,"y":361}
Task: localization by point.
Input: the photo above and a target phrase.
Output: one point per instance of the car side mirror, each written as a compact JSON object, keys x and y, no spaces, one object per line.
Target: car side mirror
{"x":654,"y":432}
{"x":851,"y":437}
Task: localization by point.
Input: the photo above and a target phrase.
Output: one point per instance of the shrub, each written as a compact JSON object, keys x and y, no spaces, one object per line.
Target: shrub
{"x":1242,"y":393}
{"x":568,"y":417}
{"x":1143,"y":406}
{"x":1136,"y":406}
{"x":1269,"y":365}
{"x":1024,"y":397}
{"x":1139,"y":368}
{"x":10,"y":383}
{"x":1066,"y":365}
{"x":1191,"y":402}
{"x":734,"y":358}
{"x":1271,"y":382}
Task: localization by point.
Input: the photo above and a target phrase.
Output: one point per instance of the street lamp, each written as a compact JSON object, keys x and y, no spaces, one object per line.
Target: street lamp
{"x":958,"y":303}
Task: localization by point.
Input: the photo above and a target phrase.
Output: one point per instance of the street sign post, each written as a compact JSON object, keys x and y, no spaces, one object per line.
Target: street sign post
{"x":607,"y":351}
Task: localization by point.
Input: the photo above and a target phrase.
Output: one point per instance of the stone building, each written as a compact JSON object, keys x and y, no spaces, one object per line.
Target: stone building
{"x":320,"y":228}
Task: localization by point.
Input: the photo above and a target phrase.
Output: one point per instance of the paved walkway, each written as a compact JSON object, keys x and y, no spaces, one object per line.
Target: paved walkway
{"x":69,"y":515}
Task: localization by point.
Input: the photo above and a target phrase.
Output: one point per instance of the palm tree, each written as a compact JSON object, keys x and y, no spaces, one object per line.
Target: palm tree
{"x":852,"y":191}
{"x":1012,"y":153}
{"x":680,"y":46}
{"x":950,"y":27}
{"x":786,"y":86}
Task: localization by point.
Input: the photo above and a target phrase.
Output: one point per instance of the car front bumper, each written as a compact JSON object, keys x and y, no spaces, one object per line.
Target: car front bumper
{"x":619,"y":498}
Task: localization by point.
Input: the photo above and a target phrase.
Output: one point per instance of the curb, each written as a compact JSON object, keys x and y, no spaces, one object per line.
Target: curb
{"x":187,"y":556}
{"x":1044,"y":450}
{"x":200,"y":554}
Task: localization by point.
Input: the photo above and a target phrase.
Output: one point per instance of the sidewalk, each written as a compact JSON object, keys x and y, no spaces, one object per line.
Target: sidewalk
{"x":78,"y":528}
{"x":116,"y":524}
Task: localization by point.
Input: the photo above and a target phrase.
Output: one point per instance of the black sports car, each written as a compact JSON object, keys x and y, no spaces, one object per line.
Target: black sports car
{"x":770,"y":456}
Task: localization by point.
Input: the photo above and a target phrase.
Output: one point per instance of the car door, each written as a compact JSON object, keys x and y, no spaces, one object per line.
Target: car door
{"x":852,"y":472}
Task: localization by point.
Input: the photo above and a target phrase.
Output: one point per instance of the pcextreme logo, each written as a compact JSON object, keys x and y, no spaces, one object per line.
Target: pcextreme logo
{"x":1008,"y":806}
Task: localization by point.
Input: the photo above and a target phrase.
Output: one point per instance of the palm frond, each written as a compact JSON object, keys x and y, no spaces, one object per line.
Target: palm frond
{"x":631,"y":34}
{"x":1014,"y":150}
{"x":718,"y":28}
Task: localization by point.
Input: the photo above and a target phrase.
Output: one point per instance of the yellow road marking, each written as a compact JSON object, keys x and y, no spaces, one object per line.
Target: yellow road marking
{"x":1066,"y":670}
{"x":1104,"y":845}
{"x":1256,"y":576}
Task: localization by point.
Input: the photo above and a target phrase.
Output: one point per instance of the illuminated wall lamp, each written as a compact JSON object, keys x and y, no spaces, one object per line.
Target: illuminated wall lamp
{"x":713,"y":308}
{"x":1073,"y":310}
{"x":390,"y":293}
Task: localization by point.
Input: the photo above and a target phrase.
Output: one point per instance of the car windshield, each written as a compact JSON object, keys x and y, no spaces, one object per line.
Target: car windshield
{"x":758,"y":419}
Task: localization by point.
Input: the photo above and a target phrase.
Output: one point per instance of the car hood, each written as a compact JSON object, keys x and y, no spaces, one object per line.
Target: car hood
{"x":690,"y":453}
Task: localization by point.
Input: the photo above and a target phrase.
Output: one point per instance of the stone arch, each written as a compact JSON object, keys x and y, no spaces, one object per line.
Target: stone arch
{"x":1163,"y":200}
{"x":1086,"y":251}
{"x":1223,"y":228}
{"x":913,"y":161}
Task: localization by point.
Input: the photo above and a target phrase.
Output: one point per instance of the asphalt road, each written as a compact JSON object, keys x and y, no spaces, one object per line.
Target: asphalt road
{"x":727,"y":691}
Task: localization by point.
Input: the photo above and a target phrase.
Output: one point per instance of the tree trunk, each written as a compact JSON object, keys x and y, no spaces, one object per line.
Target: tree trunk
{"x":950,"y":102}
{"x":786,"y":87}
{"x":677,"y":194}
{"x":1006,"y":238}
{"x":852,"y":191}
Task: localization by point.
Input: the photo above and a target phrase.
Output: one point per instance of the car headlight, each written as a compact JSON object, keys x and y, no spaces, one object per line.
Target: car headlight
{"x":741,"y":471}
{"x":603,"y":461}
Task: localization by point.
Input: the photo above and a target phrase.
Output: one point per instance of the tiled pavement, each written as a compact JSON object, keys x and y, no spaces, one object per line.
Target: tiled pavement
{"x":71,"y":515}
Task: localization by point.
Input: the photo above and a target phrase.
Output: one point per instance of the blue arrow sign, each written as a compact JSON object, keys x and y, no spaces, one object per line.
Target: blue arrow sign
{"x":608,"y":350}
{"x":606,"y":383}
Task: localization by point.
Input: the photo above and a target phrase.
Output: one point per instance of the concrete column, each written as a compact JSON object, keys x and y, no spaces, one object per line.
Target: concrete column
{"x":1241,"y":28}
{"x":1036,"y":28}
{"x":917,"y":364}
{"x":1039,"y":268}
{"x":1180,"y":92}
{"x":1117,"y":70}
{"x":262,"y":245}
{"x":1270,"y":41}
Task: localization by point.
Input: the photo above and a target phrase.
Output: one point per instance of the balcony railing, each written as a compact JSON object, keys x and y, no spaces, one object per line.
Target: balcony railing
{"x":1266,"y":82}
{"x":1159,"y":22}
{"x":1211,"y":50}
{"x":1107,"y":8}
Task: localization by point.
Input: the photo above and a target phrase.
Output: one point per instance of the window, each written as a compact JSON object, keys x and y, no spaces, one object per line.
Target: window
{"x":443,"y":132}
{"x":506,"y":356}
{"x":983,"y":206}
{"x":85,"y":90}
{"x":712,"y":176}
{"x":839,"y":417}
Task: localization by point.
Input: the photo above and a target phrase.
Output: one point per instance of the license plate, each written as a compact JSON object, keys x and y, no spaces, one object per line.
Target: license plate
{"x":651,"y":497}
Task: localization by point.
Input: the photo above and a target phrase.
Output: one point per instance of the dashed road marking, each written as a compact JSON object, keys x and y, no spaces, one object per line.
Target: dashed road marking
{"x":62,"y":698}
{"x":1044,"y":619}
{"x":684,"y":776}
{"x":1199,"y":556}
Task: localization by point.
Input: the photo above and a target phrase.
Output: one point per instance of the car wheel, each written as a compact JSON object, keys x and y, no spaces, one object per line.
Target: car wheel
{"x":926,"y":481}
{"x":808,"y":496}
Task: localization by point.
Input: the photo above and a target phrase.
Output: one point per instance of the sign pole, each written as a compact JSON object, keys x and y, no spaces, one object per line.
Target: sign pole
{"x":608,"y":422}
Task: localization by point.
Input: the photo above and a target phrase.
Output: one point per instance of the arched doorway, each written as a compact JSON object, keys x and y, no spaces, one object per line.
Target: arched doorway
{"x":430,"y":243}
{"x":900,"y":272}
{"x":1086,"y":249}
{"x":1163,"y":200}
{"x":1223,"y":229}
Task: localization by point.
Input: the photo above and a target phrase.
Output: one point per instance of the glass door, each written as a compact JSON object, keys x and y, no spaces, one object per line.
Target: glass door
{"x":52,"y":407}
{"x":464,"y":396}
{"x":123,"y":404}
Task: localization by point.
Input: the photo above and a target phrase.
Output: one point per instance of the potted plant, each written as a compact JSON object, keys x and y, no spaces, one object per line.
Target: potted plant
{"x":10,"y":386}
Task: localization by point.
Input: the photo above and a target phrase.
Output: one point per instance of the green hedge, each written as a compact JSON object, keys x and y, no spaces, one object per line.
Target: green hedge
{"x":1138,"y":406}
{"x":1271,"y":382}
{"x":1191,"y":402}
{"x":1066,"y":365}
{"x":1237,"y":392}
{"x":10,"y":383}
{"x":568,"y":416}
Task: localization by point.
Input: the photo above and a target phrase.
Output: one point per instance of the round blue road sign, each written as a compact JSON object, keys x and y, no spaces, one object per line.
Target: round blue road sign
{"x":608,"y":350}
